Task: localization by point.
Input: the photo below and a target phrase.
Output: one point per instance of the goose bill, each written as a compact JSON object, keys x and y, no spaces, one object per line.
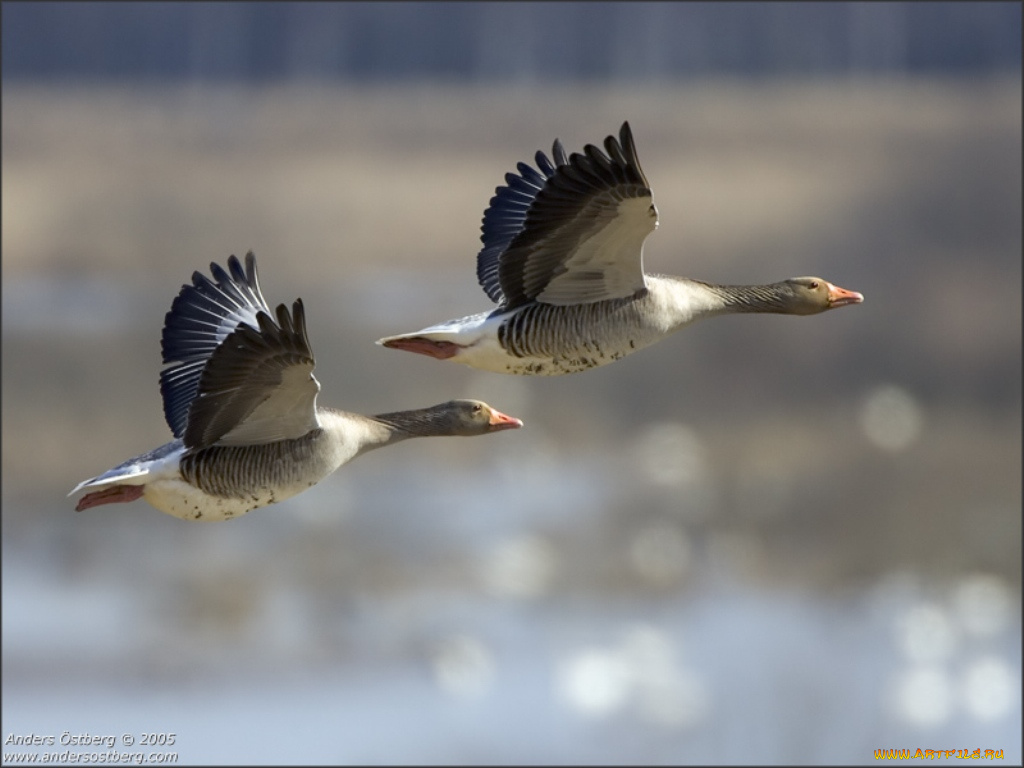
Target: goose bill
{"x":500,"y":421}
{"x":837,"y":296}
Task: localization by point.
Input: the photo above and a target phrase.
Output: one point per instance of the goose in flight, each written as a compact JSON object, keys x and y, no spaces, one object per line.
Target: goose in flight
{"x":240,"y":398}
{"x":562,"y":257}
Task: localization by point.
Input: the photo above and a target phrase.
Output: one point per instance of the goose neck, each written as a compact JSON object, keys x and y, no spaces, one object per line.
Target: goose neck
{"x":421,"y":422}
{"x":770,"y":298}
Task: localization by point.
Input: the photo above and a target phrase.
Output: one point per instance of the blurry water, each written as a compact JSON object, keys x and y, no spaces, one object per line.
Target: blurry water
{"x":726,"y":675}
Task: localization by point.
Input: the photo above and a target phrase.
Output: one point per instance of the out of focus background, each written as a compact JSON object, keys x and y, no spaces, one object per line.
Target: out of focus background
{"x":768,"y":540}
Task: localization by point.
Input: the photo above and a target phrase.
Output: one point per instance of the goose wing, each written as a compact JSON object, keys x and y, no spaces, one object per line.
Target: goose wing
{"x":258,"y":385}
{"x":217,"y":331}
{"x":201,"y":317}
{"x":571,"y":232}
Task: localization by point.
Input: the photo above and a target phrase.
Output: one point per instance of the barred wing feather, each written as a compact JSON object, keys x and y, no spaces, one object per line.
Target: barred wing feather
{"x":258,"y":386}
{"x":572,"y":232}
{"x":202,"y":316}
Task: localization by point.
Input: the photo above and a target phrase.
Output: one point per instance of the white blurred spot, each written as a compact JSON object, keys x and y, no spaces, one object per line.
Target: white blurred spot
{"x":520,"y":567}
{"x":677,"y":703}
{"x":990,"y":686}
{"x":640,"y":674}
{"x":648,"y":653}
{"x":660,"y":553}
{"x":665,"y":693}
{"x":923,"y":695}
{"x":891,"y":418}
{"x":927,"y":634}
{"x":463,"y":666}
{"x":594,"y":682}
{"x":983,"y":604}
{"x":672,"y":454}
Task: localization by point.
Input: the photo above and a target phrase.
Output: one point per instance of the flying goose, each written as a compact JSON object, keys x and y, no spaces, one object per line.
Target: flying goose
{"x":240,"y":397}
{"x":562,"y":257}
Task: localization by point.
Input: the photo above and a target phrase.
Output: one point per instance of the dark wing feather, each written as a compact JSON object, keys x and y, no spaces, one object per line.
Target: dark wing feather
{"x":571,"y":232}
{"x":258,"y":385}
{"x":201,"y":317}
{"x":505,"y":217}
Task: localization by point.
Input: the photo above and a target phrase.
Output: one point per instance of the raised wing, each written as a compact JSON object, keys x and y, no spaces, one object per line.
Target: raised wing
{"x":572,"y":232}
{"x":506,"y":215}
{"x":258,"y":385}
{"x":202,"y":316}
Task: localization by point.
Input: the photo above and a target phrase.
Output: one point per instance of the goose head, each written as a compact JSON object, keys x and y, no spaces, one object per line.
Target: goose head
{"x":462,"y":418}
{"x":474,"y":417}
{"x":811,"y":295}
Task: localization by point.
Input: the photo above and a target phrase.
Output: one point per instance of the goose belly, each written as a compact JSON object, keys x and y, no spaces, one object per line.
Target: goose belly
{"x":183,"y":500}
{"x":223,"y":482}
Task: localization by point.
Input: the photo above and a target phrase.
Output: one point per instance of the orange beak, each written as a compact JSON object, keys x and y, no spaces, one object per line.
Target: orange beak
{"x":500,"y":421}
{"x":838,"y":297}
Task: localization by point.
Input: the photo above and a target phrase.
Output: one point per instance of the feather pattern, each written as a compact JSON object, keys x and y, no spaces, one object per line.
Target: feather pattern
{"x":258,"y":385}
{"x":505,"y":218}
{"x":201,"y":317}
{"x":579,"y":238}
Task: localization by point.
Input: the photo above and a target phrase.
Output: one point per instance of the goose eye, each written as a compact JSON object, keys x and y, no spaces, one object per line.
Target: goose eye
{"x":814,"y":284}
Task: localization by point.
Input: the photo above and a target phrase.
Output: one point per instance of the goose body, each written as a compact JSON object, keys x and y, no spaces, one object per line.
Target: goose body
{"x":562,"y":257}
{"x":240,"y":398}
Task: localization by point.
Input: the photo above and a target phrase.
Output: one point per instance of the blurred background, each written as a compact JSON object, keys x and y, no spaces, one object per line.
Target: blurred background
{"x":765,"y":540}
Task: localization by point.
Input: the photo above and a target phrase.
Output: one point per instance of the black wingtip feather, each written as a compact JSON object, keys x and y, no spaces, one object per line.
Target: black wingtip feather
{"x":202,"y":315}
{"x":558,"y":151}
{"x":544,"y":164}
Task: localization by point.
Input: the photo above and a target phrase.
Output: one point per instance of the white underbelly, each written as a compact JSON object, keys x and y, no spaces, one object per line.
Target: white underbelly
{"x":178,"y":498}
{"x":490,"y":356}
